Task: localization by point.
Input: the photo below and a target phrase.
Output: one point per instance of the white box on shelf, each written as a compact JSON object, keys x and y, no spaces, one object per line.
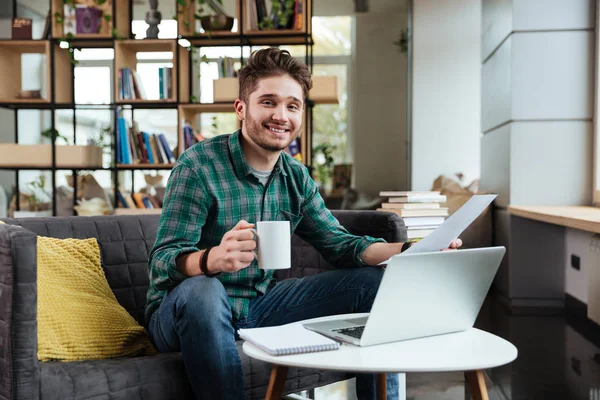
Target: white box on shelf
{"x":225,"y":89}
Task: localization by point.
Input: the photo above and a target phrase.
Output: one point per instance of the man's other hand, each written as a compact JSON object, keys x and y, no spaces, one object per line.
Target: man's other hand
{"x":235,"y":251}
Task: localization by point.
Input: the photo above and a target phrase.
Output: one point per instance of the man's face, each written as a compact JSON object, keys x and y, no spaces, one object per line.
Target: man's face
{"x":273,"y":113}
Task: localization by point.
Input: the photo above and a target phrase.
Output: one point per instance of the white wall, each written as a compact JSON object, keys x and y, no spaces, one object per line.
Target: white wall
{"x":378,"y":114}
{"x":446,"y":110}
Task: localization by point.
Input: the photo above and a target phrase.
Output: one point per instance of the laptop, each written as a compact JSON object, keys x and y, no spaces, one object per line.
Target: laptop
{"x":422,"y":294}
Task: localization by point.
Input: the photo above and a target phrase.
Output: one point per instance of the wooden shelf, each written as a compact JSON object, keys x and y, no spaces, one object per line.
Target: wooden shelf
{"x":126,"y":57}
{"x":25,"y":101}
{"x":150,"y":103}
{"x":276,"y":36}
{"x":186,"y":22}
{"x":197,"y":108}
{"x":57,"y":8}
{"x":190,"y":112}
{"x":11,"y":52}
{"x":576,"y":217}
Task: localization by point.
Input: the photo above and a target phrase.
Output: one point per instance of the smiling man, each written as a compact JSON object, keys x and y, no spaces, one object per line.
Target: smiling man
{"x":204,"y":279}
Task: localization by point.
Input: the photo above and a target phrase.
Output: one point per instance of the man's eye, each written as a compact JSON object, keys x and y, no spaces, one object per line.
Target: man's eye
{"x":294,"y":107}
{"x":267,"y":102}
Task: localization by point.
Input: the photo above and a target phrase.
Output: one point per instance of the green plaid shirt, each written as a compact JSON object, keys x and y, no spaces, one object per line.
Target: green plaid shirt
{"x":212,"y":188}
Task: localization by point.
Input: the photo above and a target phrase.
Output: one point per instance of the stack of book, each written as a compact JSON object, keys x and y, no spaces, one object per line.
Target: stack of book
{"x":140,"y":200}
{"x":420,"y":211}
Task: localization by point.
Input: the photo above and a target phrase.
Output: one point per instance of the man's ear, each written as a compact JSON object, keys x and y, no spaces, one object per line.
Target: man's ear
{"x":240,"y":109}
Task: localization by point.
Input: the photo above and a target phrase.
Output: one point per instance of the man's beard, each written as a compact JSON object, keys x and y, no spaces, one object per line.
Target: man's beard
{"x":257,"y":133}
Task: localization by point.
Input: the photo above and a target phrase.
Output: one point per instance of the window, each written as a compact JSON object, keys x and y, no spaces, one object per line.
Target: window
{"x":331,"y":126}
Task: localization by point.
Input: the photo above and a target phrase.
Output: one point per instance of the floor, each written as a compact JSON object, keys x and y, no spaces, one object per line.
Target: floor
{"x":555,"y":362}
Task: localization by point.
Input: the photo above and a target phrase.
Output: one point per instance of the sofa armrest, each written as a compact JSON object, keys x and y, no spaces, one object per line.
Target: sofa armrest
{"x":307,"y":261}
{"x":19,"y":371}
{"x":378,"y":224}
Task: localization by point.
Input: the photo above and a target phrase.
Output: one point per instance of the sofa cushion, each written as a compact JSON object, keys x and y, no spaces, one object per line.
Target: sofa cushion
{"x":79,"y":317}
{"x":160,"y":377}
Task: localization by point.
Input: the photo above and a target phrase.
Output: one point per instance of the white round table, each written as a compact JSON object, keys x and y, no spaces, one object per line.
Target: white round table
{"x":470,"y":351}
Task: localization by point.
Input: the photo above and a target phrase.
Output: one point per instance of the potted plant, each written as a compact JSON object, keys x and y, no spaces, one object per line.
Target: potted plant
{"x":323,"y":154}
{"x":37,"y":206}
{"x":213,"y":17}
{"x":281,"y":16}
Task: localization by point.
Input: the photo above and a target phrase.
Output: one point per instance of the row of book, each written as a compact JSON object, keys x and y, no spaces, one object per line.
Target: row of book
{"x":263,"y":17}
{"x":140,"y":200}
{"x":421,"y":211}
{"x":135,"y":147}
{"x":130,"y":85}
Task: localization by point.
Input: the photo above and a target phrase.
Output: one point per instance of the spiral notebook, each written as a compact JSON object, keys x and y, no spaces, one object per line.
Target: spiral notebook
{"x":287,"y":339}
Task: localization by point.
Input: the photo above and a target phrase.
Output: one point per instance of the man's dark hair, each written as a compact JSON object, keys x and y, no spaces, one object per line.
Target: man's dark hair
{"x":272,"y":62}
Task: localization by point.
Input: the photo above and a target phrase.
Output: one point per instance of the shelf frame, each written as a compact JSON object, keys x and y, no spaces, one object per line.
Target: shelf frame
{"x":126,"y":57}
{"x":60,"y":78}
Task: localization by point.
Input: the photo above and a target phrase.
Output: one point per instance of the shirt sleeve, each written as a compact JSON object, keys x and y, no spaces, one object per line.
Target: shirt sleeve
{"x":324,"y":232}
{"x":185,"y":209}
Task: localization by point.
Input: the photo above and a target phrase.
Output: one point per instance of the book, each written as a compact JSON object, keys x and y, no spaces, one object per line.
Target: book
{"x":439,"y":212}
{"x":411,"y":206}
{"x":21,"y":28}
{"x":419,"y":221}
{"x":288,"y":339}
{"x":407,"y":193}
{"x":419,"y":198}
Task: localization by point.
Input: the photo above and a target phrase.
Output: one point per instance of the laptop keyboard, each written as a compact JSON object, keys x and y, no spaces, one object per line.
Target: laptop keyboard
{"x":355,"y":332}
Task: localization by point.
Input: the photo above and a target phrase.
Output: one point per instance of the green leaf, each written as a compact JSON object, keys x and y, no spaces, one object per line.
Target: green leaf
{"x":100,"y":2}
{"x":107,"y":18}
{"x":116,"y":35}
{"x":182,"y":3}
{"x":187,"y":24}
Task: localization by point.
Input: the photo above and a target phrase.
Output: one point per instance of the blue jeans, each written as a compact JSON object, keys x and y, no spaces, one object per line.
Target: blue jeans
{"x":195,"y":318}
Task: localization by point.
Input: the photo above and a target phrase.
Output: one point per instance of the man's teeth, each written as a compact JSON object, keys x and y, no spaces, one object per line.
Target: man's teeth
{"x":277,"y":130}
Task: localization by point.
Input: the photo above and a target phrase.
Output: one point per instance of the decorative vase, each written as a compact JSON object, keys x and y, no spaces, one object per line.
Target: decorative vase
{"x":153,"y":18}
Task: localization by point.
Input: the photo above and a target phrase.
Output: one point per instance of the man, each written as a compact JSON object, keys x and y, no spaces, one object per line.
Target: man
{"x":205,"y":283}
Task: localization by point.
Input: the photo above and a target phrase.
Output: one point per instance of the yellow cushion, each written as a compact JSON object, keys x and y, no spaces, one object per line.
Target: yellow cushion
{"x":2,"y":222}
{"x":79,"y":317}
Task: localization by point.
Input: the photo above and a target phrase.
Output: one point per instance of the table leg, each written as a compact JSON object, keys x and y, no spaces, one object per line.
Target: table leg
{"x":381,"y":387}
{"x":476,"y":382}
{"x":275,"y":389}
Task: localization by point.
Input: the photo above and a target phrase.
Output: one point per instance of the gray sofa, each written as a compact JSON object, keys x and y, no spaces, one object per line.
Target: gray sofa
{"x":125,"y":243}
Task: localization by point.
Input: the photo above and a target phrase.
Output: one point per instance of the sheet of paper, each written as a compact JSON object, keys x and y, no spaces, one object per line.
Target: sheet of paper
{"x":452,"y":227}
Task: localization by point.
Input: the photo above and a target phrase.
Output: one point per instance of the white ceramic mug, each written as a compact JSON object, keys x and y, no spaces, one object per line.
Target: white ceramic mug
{"x":273,"y":242}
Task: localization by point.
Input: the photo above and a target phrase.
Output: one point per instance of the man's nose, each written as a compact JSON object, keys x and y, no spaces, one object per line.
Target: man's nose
{"x":280,"y":113}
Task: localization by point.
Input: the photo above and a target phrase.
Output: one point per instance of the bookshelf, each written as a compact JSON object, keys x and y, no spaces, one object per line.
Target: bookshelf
{"x":116,"y":32}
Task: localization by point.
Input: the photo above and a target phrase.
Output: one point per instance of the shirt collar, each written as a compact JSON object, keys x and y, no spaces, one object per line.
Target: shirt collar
{"x":240,"y":164}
